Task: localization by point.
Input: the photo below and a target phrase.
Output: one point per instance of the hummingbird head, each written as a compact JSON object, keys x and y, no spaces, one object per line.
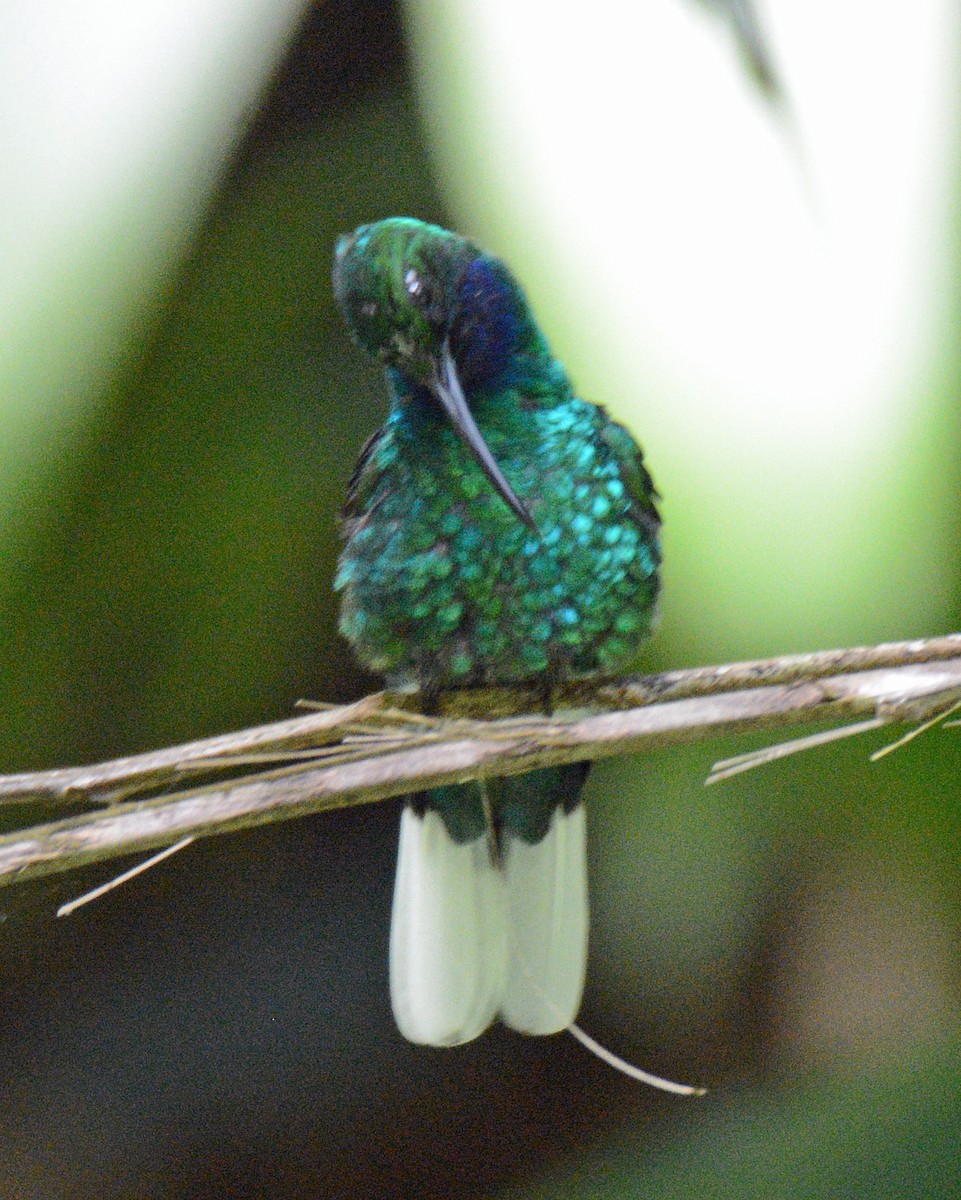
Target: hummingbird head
{"x":434,"y":307}
{"x":396,"y":282}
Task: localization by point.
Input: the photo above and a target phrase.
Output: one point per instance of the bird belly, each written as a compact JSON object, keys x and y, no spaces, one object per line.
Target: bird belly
{"x":446,"y":595}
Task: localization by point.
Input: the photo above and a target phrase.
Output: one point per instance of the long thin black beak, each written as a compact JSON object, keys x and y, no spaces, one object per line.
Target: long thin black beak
{"x":446,"y":387}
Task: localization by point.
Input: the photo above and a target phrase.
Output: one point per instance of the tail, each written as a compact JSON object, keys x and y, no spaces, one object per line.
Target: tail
{"x":490,"y":911}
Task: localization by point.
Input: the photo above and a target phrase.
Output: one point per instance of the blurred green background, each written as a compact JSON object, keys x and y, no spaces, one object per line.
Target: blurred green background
{"x":768,"y":296}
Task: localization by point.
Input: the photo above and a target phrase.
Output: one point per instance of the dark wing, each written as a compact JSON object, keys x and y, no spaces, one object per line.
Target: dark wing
{"x":356,"y":502}
{"x":635,"y":475}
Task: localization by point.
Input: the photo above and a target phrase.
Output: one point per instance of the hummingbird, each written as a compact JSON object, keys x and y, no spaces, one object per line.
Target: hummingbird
{"x":498,"y":529}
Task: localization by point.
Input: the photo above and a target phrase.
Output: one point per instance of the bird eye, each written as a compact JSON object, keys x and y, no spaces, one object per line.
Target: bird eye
{"x":418,"y":291}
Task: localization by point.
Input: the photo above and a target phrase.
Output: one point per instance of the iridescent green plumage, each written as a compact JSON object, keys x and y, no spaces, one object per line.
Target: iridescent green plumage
{"x":443,"y":584}
{"x":498,"y":528}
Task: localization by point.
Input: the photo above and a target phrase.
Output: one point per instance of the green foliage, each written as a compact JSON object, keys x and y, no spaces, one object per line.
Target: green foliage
{"x":175,"y":575}
{"x":167,"y":567}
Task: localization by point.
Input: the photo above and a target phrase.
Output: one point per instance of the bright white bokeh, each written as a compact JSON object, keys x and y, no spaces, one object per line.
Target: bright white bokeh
{"x":760,"y":294}
{"x":116,"y":120}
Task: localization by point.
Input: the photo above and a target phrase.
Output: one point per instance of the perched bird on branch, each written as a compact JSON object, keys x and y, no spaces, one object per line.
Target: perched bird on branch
{"x":498,"y":529}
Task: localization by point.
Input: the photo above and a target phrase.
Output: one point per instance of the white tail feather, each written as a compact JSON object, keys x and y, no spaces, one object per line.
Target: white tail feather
{"x":448,"y":939}
{"x":470,"y":938}
{"x":547,"y":917}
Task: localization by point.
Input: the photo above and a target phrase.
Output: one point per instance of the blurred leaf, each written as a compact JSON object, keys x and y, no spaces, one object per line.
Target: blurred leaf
{"x":742,"y":16}
{"x":183,"y":584}
{"x":116,"y":123}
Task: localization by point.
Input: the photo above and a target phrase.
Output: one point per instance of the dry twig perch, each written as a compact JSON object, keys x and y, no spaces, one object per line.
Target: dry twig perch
{"x":382,"y":747}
